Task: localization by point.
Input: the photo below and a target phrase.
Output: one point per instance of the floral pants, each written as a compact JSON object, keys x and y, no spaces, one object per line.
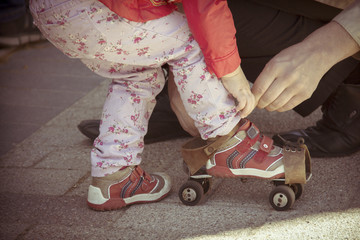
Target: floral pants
{"x":131,"y":54}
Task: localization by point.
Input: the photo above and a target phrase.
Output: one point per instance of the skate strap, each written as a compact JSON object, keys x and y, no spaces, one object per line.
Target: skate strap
{"x":196,"y":151}
{"x":193,"y":154}
{"x":265,"y":147}
{"x":266,"y":144}
{"x":214,"y":146}
{"x":297,"y":164}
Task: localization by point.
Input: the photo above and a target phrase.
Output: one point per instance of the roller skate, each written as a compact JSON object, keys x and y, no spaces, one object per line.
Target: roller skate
{"x":245,"y":153}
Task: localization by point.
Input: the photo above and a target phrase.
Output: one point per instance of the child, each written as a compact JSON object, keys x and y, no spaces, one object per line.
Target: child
{"x":129,"y":41}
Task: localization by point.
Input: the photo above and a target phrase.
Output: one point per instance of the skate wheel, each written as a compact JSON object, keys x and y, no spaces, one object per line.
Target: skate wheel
{"x":282,"y":198}
{"x":298,"y":189}
{"x":205,"y":183}
{"x":191,"y":193}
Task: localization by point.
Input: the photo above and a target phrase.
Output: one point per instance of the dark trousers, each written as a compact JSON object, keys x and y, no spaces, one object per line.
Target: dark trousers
{"x":263,"y":30}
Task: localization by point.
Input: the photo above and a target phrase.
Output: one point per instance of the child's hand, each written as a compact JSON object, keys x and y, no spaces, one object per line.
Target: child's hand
{"x":238,"y":86}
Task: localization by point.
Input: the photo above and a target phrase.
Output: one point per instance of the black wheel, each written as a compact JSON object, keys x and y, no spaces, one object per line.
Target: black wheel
{"x":205,"y":183}
{"x":191,"y":193}
{"x":298,"y":189}
{"x":278,"y":183}
{"x":282,"y":198}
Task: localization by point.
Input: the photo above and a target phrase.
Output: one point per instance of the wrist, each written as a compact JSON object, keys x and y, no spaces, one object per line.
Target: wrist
{"x":332,"y":43}
{"x":234,"y":73}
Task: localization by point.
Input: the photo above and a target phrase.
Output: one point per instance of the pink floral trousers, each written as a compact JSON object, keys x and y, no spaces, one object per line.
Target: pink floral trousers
{"x":131,"y":54}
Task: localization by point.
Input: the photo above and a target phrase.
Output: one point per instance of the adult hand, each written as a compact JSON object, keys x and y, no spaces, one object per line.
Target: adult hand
{"x":293,"y":75}
{"x":186,"y":122}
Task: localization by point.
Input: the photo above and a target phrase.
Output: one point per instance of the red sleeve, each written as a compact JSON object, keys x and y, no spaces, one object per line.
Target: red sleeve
{"x":212,"y":25}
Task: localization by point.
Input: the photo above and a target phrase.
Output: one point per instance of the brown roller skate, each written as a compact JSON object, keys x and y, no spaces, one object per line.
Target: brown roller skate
{"x":245,"y":153}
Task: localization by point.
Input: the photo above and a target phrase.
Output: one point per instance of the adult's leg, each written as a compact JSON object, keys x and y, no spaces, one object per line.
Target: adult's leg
{"x":263,"y":31}
{"x":337,"y":133}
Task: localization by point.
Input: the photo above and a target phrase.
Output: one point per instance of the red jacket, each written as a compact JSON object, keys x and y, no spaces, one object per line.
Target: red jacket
{"x":210,"y":22}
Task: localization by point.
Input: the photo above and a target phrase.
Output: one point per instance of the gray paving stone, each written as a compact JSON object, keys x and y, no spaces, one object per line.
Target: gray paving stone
{"x":10,"y":231}
{"x":29,"y":114}
{"x":15,"y":133}
{"x":34,"y":89}
{"x":45,"y":59}
{"x":56,"y":136}
{"x":67,"y":158}
{"x":38,"y":181}
{"x":90,"y":233}
{"x":184,"y":222}
{"x":321,"y":226}
{"x":81,"y":188}
{"x":60,"y":80}
{"x":95,"y":98}
{"x":74,"y":115}
{"x":5,"y":146}
{"x":43,"y":209}
{"x":166,"y":158}
{"x":25,"y":154}
{"x":35,"y":94}
{"x":39,"y":97}
{"x":239,"y":222}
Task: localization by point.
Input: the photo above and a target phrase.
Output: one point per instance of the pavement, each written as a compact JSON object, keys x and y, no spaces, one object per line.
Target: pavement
{"x":45,"y":170}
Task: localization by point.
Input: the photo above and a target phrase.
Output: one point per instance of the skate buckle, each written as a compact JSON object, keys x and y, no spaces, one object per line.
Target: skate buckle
{"x":252,"y":132}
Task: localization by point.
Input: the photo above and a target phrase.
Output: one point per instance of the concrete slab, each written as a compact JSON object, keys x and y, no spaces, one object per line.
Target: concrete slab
{"x":38,"y":97}
{"x":65,"y":158}
{"x":25,"y":155}
{"x":333,"y":225}
{"x":39,"y":181}
{"x":30,"y":115}
{"x":13,"y":230}
{"x":37,"y":209}
{"x":34,"y":88}
{"x":89,"y":233}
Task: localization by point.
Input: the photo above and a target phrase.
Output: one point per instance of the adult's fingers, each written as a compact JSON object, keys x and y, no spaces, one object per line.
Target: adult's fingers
{"x":293,"y":102}
{"x":274,"y":92}
{"x":281,"y":100}
{"x":263,"y":82}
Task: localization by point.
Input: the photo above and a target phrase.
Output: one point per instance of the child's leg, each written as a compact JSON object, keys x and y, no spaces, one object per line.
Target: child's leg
{"x":243,"y":153}
{"x":126,"y":112}
{"x":127,"y":109}
{"x":71,"y":27}
{"x":205,"y":99}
